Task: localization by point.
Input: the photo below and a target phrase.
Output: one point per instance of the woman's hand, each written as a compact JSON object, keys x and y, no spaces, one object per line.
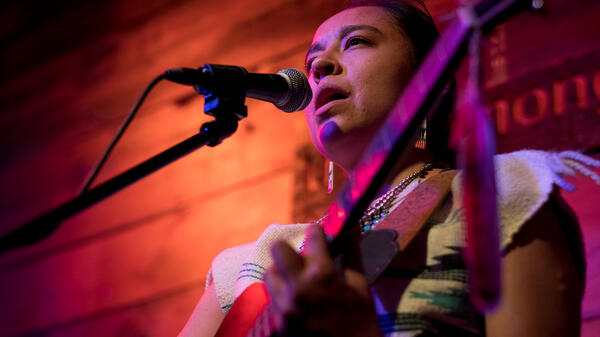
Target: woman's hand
{"x":311,"y":298}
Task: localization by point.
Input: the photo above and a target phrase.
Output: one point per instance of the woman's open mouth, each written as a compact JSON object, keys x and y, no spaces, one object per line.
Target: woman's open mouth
{"x":327,"y":97}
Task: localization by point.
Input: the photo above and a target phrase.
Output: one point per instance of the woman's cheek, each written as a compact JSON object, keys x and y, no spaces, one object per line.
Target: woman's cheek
{"x":313,"y":129}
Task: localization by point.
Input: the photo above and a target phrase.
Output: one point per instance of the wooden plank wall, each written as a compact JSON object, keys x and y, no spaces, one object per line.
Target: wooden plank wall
{"x":135,"y":264}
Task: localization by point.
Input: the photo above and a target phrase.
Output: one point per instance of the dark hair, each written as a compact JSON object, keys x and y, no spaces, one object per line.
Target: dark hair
{"x":418,"y":25}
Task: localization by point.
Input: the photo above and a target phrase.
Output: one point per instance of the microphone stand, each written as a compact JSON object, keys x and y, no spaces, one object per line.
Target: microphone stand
{"x":227,"y":109}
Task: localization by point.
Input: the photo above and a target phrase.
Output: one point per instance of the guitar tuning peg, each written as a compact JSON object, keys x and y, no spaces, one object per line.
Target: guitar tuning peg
{"x":537,"y":4}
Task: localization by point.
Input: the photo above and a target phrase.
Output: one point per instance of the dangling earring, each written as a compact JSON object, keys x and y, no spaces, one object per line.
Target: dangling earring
{"x":421,"y":142}
{"x":330,"y":178}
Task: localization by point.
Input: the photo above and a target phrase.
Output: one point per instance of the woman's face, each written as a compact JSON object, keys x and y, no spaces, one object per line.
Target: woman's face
{"x":358,"y":65}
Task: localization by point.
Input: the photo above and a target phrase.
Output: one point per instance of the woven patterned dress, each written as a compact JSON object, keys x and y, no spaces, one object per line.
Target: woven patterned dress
{"x":424,"y":292}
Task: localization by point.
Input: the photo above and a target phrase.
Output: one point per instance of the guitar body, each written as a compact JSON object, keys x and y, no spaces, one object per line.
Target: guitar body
{"x":246,"y":313}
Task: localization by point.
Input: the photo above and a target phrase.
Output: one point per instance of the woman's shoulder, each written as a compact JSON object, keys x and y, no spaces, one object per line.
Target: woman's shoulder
{"x":546,"y":168}
{"x":235,"y":268}
{"x":525,"y":181}
{"x":274,"y":232}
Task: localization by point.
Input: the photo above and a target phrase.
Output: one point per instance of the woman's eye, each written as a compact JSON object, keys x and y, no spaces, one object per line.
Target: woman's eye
{"x":353,"y":41}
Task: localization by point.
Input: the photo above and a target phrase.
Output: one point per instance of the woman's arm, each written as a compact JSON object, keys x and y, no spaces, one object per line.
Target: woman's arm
{"x":541,"y":291}
{"x":206,"y":318}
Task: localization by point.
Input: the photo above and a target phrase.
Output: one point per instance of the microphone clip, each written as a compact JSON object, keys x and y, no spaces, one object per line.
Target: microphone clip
{"x":224,"y":91}
{"x":223,"y":88}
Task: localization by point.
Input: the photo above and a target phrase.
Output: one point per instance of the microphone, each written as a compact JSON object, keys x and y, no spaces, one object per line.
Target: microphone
{"x":288,"y":90}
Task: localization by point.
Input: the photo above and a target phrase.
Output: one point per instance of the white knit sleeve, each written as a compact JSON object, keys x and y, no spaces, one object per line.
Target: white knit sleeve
{"x":224,"y":270}
{"x":525,"y":180}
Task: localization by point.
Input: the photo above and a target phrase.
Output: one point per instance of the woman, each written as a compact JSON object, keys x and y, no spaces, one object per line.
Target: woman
{"x":360,"y":61}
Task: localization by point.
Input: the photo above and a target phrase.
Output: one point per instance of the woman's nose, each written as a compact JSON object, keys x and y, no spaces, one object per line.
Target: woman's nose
{"x":323,"y":67}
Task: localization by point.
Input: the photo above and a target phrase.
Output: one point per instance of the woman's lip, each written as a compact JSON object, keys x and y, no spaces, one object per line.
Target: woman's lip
{"x":327,"y":92}
{"x":323,"y":113}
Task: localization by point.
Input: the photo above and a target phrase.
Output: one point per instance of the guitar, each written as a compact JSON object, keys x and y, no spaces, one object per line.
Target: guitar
{"x":249,"y":315}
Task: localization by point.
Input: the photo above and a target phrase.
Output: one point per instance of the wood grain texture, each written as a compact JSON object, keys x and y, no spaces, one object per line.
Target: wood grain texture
{"x":160,"y":234}
{"x":137,"y":262}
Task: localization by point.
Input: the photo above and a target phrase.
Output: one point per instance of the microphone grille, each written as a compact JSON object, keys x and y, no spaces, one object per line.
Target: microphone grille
{"x":300,"y":93}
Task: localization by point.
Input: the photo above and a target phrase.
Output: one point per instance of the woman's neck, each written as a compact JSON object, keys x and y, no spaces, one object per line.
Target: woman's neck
{"x":413,"y":160}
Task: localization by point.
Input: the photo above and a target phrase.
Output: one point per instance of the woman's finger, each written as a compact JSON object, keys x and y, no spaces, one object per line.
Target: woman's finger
{"x":276,"y":288}
{"x":316,"y":251}
{"x":286,"y":262}
{"x":358,"y":282}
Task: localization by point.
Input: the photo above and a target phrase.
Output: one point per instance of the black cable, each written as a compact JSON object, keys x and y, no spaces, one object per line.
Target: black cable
{"x":94,"y":172}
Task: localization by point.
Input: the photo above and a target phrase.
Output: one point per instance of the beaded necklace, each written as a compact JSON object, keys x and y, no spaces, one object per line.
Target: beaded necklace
{"x":381,"y":206}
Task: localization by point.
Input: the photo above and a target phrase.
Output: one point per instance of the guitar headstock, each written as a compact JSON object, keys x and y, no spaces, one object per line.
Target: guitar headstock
{"x":490,"y":13}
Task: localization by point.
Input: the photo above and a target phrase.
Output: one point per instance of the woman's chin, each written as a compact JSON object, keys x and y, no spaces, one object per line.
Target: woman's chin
{"x":330,"y":132}
{"x":344,"y":148}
